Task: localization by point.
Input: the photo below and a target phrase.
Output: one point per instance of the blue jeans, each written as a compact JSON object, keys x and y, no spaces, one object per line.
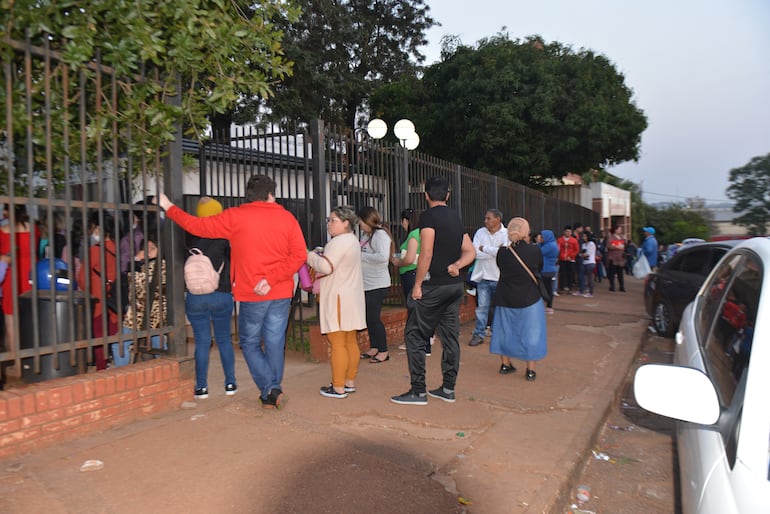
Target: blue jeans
{"x":587,"y":284}
{"x":264,"y":321}
{"x":485,"y":291}
{"x":125,"y":360}
{"x":203,"y":310}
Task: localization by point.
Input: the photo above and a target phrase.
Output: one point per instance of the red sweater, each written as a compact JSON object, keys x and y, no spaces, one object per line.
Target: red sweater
{"x":568,"y":248}
{"x":265,"y":242}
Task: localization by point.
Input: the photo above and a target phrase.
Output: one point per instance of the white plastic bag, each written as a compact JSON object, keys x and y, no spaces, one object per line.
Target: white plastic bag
{"x":642,"y":267}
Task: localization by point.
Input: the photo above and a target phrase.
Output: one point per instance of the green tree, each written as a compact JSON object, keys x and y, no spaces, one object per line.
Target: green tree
{"x":676,"y":222}
{"x":206,"y":53}
{"x":750,"y":188}
{"x":524,"y":110}
{"x":342,"y":50}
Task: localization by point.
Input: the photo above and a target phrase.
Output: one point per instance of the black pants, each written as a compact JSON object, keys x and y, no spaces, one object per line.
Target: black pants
{"x":616,"y":270}
{"x":566,"y":274}
{"x":548,"y":282}
{"x":377,"y":336}
{"x":438,"y":311}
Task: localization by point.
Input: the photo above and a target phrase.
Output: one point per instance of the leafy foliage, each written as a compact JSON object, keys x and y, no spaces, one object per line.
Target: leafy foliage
{"x":676,"y":222}
{"x":524,"y":110}
{"x":750,"y":188}
{"x":118,"y":65}
{"x":342,"y":50}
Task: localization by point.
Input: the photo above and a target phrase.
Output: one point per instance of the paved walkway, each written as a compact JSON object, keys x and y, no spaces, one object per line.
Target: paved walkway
{"x":505,"y":446}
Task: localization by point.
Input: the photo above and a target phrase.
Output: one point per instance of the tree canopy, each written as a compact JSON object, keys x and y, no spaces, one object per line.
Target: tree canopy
{"x":342,"y":51}
{"x":524,"y":110}
{"x":750,"y":188}
{"x":207,"y":53}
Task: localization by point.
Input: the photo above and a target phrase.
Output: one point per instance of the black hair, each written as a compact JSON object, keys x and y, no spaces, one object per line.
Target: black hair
{"x":411,"y":216}
{"x":259,"y":187}
{"x":437,"y":188}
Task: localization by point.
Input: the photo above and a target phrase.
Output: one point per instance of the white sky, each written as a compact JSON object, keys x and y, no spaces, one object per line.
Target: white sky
{"x":699,"y":69}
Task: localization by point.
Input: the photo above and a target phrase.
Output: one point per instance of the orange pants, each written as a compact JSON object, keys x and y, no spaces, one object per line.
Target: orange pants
{"x":345,"y":357}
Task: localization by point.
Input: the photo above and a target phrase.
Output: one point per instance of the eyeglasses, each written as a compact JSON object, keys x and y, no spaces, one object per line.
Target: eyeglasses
{"x":329,"y":220}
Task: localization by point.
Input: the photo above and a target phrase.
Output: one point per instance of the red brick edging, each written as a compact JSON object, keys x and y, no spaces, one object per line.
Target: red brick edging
{"x":39,"y":415}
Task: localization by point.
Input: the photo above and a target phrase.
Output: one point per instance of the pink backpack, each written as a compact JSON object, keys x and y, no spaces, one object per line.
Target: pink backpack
{"x":200,"y":277}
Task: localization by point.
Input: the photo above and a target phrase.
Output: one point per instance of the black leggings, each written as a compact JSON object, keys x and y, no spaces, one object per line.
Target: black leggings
{"x":616,"y":270}
{"x":375,"y":326}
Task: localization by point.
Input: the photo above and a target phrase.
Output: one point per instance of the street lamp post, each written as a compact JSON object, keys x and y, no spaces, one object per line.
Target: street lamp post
{"x":409,"y":140}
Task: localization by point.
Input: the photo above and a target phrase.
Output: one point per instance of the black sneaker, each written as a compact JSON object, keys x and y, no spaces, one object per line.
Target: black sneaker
{"x":531,"y":375}
{"x":278,"y":398}
{"x":329,"y":392}
{"x":231,"y":389}
{"x":201,"y":393}
{"x":410,"y":398}
{"x":505,"y":369}
{"x":441,"y":394}
{"x":350,"y":389}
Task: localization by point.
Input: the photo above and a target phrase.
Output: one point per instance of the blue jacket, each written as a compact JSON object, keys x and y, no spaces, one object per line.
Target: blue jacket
{"x":550,"y":251}
{"x":650,"y":250}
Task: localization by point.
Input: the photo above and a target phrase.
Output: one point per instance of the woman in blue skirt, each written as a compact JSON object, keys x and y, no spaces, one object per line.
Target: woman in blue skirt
{"x":519,"y":329}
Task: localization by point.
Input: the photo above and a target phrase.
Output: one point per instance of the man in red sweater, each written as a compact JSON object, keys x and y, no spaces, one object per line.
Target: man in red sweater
{"x":267,"y":248}
{"x":568,"y":250}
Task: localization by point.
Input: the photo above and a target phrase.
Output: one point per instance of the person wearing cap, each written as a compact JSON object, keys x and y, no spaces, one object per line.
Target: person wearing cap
{"x":216,"y":308}
{"x":267,"y":248}
{"x":650,"y":247}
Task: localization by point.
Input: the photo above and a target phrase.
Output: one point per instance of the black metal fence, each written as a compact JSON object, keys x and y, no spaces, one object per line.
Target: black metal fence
{"x":61,"y":166}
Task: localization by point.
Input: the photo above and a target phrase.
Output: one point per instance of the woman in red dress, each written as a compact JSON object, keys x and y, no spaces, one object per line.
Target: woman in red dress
{"x":21,"y":265}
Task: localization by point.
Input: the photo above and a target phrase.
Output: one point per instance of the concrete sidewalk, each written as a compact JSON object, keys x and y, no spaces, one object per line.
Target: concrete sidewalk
{"x":506,"y":445}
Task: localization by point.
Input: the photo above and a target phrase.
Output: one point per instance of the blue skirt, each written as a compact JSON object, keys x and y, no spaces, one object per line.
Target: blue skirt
{"x":519,"y":333}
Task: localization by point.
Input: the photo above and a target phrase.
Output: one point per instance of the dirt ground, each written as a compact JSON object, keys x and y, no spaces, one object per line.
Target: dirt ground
{"x":633,"y":469}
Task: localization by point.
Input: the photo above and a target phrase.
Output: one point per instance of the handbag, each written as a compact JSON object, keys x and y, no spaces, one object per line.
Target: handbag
{"x":310,"y":279}
{"x":537,"y":279}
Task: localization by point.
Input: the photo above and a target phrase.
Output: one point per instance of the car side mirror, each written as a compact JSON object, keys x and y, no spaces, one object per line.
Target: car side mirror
{"x":677,"y":392}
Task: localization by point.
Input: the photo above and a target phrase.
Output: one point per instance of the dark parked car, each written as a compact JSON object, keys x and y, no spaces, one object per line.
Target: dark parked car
{"x":668,"y":290}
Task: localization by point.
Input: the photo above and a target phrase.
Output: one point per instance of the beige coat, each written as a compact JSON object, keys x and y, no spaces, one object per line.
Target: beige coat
{"x":341,"y":301}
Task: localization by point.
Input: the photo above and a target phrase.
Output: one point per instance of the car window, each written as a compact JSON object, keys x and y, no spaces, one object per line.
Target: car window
{"x":694,"y":261}
{"x":726,"y":321}
{"x":716,"y":256}
{"x":726,"y":330}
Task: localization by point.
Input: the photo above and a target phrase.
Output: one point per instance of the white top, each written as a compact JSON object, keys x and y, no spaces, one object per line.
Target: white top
{"x":590,"y":249}
{"x":375,"y":257}
{"x":486,"y":260}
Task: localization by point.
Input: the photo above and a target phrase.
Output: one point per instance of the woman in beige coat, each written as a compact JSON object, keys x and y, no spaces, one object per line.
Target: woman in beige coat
{"x":341,"y":299}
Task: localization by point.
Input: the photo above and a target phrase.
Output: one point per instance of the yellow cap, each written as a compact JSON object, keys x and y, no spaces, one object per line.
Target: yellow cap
{"x":207,"y":206}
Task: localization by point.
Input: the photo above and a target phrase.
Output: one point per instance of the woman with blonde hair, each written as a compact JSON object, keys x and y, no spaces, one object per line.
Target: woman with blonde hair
{"x":519,"y":328}
{"x":342,"y":310}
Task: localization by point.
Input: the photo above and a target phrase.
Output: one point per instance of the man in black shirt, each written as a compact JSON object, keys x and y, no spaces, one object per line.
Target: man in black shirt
{"x":445,"y":248}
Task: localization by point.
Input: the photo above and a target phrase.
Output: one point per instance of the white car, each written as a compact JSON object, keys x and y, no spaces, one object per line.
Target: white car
{"x":719,"y":387}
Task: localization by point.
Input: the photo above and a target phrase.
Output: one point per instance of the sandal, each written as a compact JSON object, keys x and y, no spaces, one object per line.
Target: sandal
{"x":375,"y":360}
{"x":369,"y":355}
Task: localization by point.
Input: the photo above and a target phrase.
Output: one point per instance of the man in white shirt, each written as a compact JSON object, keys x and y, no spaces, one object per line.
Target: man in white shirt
{"x":487,"y":240}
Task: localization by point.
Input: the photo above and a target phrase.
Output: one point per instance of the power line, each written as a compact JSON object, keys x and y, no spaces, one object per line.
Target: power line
{"x":686,"y":197}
